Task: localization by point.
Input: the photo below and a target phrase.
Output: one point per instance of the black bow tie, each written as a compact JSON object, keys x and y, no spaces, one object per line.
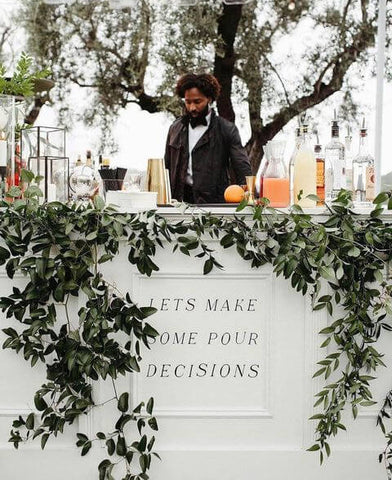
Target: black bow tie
{"x":195,"y":121}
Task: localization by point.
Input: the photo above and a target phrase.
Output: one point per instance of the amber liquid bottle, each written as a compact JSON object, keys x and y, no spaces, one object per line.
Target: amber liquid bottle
{"x":320,"y":175}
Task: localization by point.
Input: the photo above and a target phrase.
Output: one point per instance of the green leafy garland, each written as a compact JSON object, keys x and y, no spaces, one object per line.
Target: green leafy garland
{"x":59,"y":248}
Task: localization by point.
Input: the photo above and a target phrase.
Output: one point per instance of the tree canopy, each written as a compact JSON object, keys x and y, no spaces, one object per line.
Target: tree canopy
{"x":280,"y":61}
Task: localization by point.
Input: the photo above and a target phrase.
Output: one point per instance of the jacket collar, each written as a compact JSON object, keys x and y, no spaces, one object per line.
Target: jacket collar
{"x":185,"y":120}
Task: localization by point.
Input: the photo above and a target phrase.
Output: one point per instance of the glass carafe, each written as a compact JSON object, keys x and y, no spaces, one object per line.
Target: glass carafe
{"x":276,"y":183}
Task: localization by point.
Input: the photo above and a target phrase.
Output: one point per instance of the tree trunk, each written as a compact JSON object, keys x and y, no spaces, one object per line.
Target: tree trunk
{"x":254,"y":145}
{"x":32,"y":115}
{"x":339,"y":66}
{"x":224,"y":64}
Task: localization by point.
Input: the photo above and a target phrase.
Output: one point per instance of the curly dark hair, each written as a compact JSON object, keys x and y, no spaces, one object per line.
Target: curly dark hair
{"x":206,"y":83}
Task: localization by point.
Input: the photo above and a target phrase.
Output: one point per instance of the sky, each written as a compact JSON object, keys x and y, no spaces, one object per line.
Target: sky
{"x":141,"y":135}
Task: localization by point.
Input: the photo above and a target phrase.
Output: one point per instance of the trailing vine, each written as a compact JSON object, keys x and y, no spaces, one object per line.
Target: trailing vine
{"x":338,"y":260}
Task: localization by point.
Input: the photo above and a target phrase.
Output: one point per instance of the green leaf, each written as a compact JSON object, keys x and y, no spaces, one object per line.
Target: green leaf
{"x":111,"y":446}
{"x":143,"y":462}
{"x":208,"y":266}
{"x":99,"y":202}
{"x":82,"y":437}
{"x":142,"y":443}
{"x":319,"y":372}
{"x":105,"y":258}
{"x":327,"y":449}
{"x":91,"y":236}
{"x":44,"y":439}
{"x":86,"y":448}
{"x":313,"y":448}
{"x":313,"y":197}
{"x":14,"y":192}
{"x":30,"y":421}
{"x":39,"y":402}
{"x":121,"y":448}
{"x":103,"y":466}
{"x":148,"y":311}
{"x":152,"y":422}
{"x":368,"y":403}
{"x":26,"y":176}
{"x":354,"y":252}
{"x":377,"y":212}
{"x":123,"y":402}
{"x":381,"y":198}
{"x":327,"y":272}
{"x":150,"y":406}
{"x":33,"y":191}
{"x":4,"y":255}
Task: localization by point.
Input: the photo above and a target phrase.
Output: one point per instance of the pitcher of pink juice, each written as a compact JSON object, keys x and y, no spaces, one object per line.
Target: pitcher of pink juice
{"x":276,"y":183}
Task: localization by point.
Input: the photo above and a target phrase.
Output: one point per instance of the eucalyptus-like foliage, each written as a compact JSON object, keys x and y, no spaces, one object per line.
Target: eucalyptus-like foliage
{"x":59,"y":248}
{"x":338,"y":260}
{"x":22,"y":82}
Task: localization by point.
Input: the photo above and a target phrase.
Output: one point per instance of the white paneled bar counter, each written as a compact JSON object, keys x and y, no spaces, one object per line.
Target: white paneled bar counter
{"x":231,"y":374}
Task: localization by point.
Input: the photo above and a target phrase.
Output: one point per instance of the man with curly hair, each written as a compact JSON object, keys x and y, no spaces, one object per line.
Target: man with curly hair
{"x":201,"y":147}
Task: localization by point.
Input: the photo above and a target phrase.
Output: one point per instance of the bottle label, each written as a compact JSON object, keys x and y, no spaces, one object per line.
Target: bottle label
{"x":320,"y":173}
{"x":336,"y":162}
{"x":370,"y":183}
{"x":349,"y":179}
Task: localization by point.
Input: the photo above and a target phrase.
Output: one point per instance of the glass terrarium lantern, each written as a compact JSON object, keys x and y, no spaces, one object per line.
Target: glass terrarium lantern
{"x":43,"y":149}
{"x":12,"y":110}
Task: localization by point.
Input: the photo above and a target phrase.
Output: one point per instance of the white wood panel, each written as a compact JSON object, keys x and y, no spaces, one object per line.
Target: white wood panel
{"x":235,"y":433}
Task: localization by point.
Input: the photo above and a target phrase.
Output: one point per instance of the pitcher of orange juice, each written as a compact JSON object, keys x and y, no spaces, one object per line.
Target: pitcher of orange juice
{"x":276,"y":183}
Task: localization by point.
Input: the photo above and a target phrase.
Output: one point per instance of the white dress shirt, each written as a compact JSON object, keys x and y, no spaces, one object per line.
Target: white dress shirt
{"x":194,"y":135}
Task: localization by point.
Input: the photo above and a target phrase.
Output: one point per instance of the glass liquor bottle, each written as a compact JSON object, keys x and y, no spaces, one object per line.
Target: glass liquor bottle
{"x":305,"y":171}
{"x":335,"y":167}
{"x":349,"y":159}
{"x":363,"y":172}
{"x":89,"y":159}
{"x":320,"y":167}
{"x":298,"y":140}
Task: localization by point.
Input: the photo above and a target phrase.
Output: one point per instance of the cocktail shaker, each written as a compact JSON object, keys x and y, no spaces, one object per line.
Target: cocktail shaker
{"x":156,"y":180}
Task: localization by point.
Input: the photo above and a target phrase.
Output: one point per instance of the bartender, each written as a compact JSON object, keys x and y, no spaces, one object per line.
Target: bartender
{"x":201,"y":146}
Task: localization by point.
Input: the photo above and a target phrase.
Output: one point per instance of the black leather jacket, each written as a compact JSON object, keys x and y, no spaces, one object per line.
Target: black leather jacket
{"x":218,"y":149}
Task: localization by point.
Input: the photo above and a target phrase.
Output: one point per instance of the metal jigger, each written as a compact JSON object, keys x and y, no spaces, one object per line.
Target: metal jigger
{"x":251,"y":184}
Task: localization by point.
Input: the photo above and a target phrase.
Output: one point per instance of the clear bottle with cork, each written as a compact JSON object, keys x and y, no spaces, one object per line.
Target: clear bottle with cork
{"x":363,"y":172}
{"x":298,"y":139}
{"x":89,"y":159}
{"x":335,"y":166}
{"x":79,"y":162}
{"x":320,"y":175}
{"x":349,"y":159}
{"x":305,"y":171}
{"x":105,"y":163}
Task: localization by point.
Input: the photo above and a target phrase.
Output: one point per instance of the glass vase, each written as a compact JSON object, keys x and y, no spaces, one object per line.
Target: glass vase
{"x":12,"y":112}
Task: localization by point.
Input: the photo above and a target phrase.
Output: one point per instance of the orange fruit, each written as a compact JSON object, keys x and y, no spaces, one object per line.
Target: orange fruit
{"x":234,"y":194}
